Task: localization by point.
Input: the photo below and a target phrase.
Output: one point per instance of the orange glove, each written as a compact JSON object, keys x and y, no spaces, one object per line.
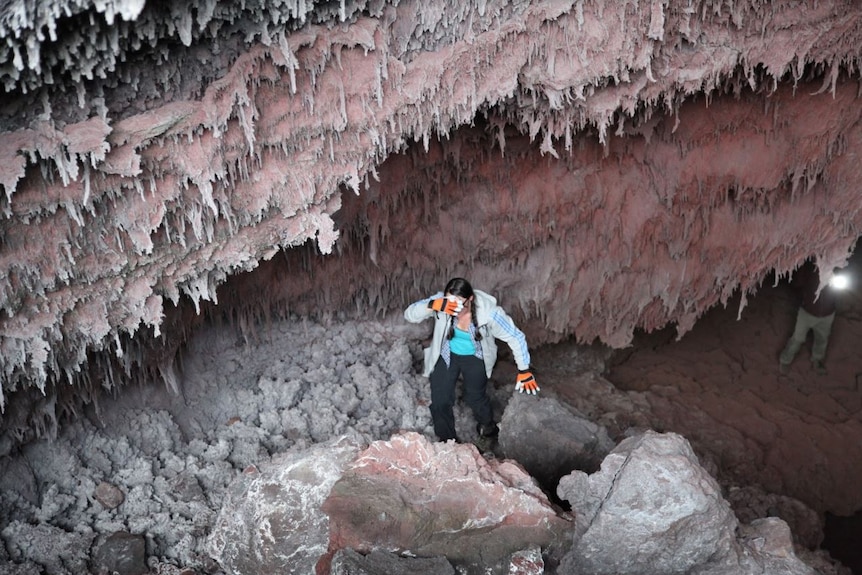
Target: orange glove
{"x":526,"y":382}
{"x":450,"y":305}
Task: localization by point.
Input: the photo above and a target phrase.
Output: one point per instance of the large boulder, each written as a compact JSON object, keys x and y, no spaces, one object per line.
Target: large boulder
{"x":651,"y":508}
{"x":550,"y":439}
{"x":443,"y":499}
{"x":271,"y":521}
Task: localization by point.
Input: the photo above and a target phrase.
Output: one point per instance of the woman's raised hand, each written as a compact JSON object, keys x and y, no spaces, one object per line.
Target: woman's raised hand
{"x":449,"y":305}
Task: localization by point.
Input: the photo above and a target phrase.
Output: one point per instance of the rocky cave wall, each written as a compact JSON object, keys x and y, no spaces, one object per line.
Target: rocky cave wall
{"x":603,"y":166}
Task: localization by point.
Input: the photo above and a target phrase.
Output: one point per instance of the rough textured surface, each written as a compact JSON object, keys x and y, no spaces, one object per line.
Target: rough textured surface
{"x":121,"y":553}
{"x":653,"y":505}
{"x":175,"y":461}
{"x":271,"y":520}
{"x":629,"y":165}
{"x":752,"y":503}
{"x":427,"y":499}
{"x":550,"y":440}
{"x":653,"y":509}
{"x":349,"y":562}
{"x":765,"y":548}
{"x":298,"y":387}
{"x":527,"y":562}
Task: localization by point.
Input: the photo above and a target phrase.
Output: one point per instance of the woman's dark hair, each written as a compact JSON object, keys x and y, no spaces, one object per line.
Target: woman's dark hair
{"x":462,"y":288}
{"x":459,"y":287}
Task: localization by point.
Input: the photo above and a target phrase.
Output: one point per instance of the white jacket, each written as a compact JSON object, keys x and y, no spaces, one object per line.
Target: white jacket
{"x":492,"y":322}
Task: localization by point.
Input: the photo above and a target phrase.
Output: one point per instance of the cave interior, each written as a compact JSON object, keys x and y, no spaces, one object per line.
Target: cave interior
{"x":636,"y":182}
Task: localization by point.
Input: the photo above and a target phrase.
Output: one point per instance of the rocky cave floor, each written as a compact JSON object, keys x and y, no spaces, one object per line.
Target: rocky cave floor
{"x":300,"y":383}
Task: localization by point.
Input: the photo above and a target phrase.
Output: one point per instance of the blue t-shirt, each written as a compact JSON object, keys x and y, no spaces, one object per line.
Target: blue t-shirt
{"x":462,"y":343}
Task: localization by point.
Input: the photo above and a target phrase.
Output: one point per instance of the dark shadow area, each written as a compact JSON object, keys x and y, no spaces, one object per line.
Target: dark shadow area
{"x":842,"y":537}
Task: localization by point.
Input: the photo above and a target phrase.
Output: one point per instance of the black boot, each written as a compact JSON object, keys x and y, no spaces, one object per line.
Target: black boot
{"x":487,"y":440}
{"x":487,"y":429}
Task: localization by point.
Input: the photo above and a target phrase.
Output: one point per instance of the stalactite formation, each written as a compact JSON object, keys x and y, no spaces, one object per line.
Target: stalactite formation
{"x":604,"y":166}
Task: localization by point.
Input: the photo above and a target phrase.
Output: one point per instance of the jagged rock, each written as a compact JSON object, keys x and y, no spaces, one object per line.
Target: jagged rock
{"x":751,"y":502}
{"x":770,"y":536}
{"x":766,"y":549}
{"x":550,"y":440}
{"x":121,"y":554}
{"x":187,"y":488}
{"x":377,"y":562}
{"x":428,"y":499}
{"x":110,"y":496}
{"x":651,"y":508}
{"x":271,"y":521}
{"x":168,"y":569}
{"x":18,"y":477}
{"x":7,"y":567}
{"x":27,"y":568}
{"x":527,"y":562}
{"x":55,"y":550}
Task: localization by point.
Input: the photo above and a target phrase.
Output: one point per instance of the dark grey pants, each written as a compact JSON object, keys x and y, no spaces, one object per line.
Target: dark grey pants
{"x":443,"y":381}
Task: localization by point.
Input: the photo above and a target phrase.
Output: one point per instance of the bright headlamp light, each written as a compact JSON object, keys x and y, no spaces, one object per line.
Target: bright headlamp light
{"x":839,"y":281}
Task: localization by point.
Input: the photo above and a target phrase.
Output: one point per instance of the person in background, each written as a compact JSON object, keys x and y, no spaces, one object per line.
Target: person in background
{"x":466,"y":324}
{"x":816,"y":313}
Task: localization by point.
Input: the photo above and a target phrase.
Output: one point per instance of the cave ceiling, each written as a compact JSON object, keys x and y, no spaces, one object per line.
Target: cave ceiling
{"x":603,"y":167}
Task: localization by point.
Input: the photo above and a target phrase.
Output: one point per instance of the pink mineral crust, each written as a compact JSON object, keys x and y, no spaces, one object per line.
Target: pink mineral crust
{"x":600,"y":168}
{"x":411,"y":495}
{"x":642,"y":232}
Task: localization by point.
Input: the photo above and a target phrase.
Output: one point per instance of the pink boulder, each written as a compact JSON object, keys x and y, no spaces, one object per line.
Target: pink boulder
{"x":409,"y":495}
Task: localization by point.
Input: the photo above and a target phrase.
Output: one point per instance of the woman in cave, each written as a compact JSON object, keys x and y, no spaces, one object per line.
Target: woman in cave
{"x":466,"y":324}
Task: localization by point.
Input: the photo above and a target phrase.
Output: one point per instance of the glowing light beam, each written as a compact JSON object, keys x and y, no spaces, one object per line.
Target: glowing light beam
{"x":839,"y":281}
